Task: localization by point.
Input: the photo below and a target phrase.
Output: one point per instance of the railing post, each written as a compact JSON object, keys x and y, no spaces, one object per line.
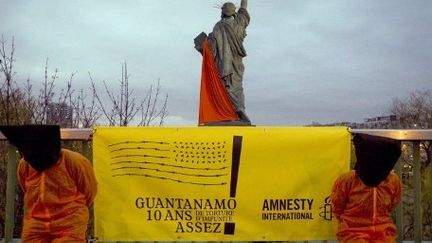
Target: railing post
{"x":399,"y":212}
{"x":417,"y":192}
{"x":87,"y":152}
{"x":10,"y":193}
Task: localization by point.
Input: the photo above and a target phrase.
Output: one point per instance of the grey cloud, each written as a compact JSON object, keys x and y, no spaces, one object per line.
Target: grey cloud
{"x":323,"y":61}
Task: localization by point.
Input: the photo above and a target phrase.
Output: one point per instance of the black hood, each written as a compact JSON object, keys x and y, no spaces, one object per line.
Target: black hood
{"x":39,"y":144}
{"x":376,"y":157}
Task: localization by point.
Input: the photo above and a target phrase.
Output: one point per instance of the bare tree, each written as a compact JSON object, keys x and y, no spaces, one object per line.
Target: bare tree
{"x":124,"y":108}
{"x":415,"y":112}
{"x":86,"y":114}
{"x":150,"y":110}
{"x":12,"y":100}
{"x":7,"y":89}
{"x":64,"y":108}
{"x":19,"y":104}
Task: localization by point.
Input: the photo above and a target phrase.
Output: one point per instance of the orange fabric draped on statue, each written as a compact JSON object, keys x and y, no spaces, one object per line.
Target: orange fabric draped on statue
{"x":215,"y":104}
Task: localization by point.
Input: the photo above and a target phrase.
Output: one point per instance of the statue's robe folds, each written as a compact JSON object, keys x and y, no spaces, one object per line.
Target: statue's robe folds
{"x":215,"y":104}
{"x":226,"y":43}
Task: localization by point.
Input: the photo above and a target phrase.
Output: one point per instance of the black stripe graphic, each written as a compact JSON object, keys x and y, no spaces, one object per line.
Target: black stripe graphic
{"x":236,"y":152}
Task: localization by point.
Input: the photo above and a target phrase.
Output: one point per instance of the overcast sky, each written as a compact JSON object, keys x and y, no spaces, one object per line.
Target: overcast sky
{"x":308,"y":60}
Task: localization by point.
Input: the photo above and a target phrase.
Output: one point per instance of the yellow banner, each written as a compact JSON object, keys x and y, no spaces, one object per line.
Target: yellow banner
{"x":217,"y":183}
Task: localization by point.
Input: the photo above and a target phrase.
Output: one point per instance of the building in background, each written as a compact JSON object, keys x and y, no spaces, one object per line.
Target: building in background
{"x":379,"y":122}
{"x":383,"y":122}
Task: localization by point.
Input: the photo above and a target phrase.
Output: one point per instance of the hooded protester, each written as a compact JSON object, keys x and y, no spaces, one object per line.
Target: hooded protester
{"x":58,"y":184}
{"x":363,"y":199}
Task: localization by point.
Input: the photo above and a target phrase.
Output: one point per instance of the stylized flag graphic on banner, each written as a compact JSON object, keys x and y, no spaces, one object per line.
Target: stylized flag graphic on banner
{"x":200,"y":163}
{"x":217,"y":183}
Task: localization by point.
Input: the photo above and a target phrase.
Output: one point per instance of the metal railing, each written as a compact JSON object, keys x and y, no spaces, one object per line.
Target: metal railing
{"x":412,"y":136}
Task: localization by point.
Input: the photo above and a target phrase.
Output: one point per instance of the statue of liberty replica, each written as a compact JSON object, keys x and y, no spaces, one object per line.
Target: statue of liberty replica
{"x":226,"y":45}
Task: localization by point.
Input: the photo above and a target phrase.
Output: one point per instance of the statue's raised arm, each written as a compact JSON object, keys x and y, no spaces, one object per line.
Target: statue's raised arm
{"x":243,"y":4}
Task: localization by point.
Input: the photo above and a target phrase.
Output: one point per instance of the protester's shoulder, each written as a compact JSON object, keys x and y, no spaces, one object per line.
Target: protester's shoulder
{"x":345,"y":178}
{"x":393,"y":176}
{"x":23,"y":165}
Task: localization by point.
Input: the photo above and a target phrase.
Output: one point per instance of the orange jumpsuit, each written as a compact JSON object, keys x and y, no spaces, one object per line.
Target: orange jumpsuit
{"x":56,"y":200}
{"x":363,"y":212}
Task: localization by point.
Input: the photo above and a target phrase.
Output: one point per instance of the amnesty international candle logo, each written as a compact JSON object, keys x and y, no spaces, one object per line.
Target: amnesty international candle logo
{"x":201,"y":163}
{"x":326,"y":210}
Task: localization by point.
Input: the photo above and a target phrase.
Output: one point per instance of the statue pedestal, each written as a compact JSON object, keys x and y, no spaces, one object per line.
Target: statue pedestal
{"x":228,"y":123}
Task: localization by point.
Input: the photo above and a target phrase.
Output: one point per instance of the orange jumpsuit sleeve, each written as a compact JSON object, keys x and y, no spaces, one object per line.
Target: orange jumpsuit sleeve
{"x":22,"y":174}
{"x":397,"y":194}
{"x":82,"y":173}
{"x":339,"y":197}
